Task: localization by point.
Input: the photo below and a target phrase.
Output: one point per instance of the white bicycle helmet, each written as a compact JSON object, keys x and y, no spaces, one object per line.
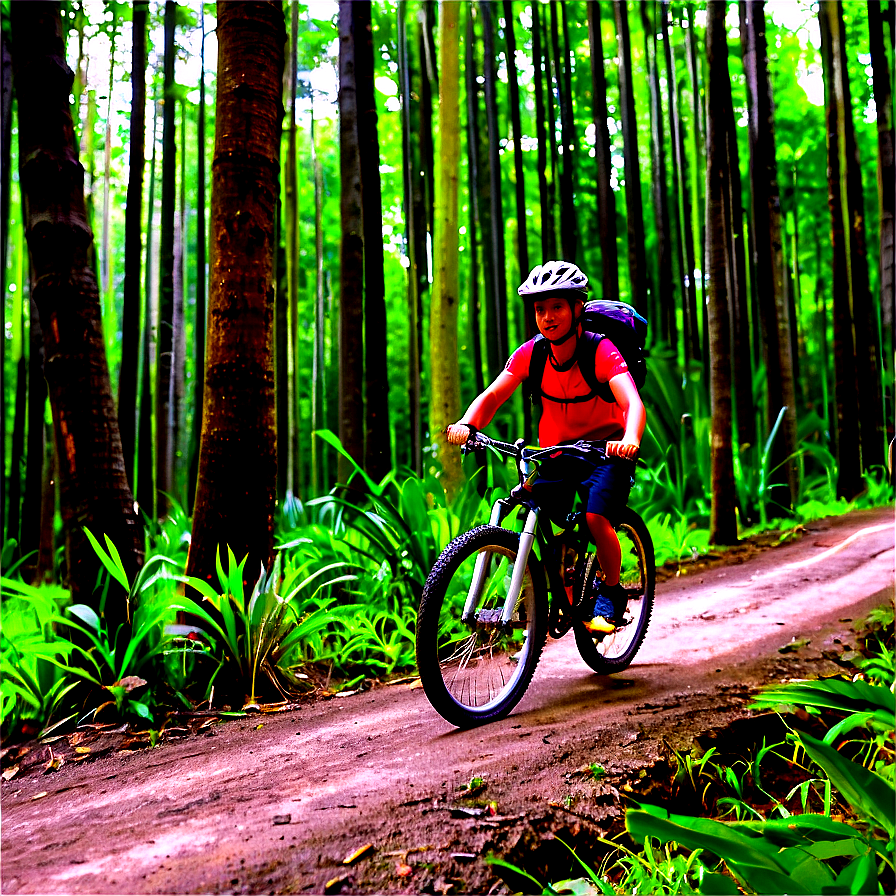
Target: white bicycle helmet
{"x":553,"y":276}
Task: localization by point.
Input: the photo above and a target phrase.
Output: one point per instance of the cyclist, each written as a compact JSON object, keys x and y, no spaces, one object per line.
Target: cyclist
{"x":572,"y":411}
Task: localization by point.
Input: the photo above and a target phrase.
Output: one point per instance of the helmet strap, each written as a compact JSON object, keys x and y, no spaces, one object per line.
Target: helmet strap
{"x":566,"y":365}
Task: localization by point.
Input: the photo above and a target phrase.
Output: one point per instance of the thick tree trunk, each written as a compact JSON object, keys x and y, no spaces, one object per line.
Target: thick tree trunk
{"x":865,"y":313}
{"x":133,"y":248}
{"x":164,"y":434}
{"x":637,"y":263}
{"x":235,"y":496}
{"x":200,"y":320}
{"x":846,"y":389}
{"x":768,"y":269}
{"x":606,"y":198}
{"x":377,"y":438}
{"x":445,"y":406}
{"x":94,"y":490}
{"x":886,"y":185}
{"x":723,"y":520}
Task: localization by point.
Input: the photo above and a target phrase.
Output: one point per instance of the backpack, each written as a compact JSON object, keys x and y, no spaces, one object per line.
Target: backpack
{"x":603,"y":318}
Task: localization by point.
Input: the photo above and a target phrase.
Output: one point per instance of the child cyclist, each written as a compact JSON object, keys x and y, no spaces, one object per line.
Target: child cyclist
{"x":572,"y":411}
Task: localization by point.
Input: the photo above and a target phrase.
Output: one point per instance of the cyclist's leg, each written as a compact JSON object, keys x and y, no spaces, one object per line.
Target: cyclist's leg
{"x":606,"y":545}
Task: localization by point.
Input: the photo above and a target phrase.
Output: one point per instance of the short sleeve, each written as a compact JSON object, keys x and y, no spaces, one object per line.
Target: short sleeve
{"x":518,"y":363}
{"x":608,"y":361}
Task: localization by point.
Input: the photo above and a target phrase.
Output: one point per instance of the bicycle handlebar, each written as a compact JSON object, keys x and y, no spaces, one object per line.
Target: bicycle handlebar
{"x":479,"y":440}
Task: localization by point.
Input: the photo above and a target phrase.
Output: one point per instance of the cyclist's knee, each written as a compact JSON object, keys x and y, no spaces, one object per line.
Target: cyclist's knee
{"x":599,"y":525}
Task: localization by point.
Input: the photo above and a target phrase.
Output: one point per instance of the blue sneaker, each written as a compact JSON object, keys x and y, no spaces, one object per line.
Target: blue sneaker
{"x":600,"y":612}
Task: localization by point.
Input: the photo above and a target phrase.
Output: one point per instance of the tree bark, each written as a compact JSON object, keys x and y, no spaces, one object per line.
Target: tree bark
{"x":547,"y":229}
{"x":606,"y":198}
{"x":5,"y":156}
{"x":133,"y":239}
{"x":513,"y":100}
{"x":886,"y":183}
{"x":94,"y":491}
{"x":292,"y":424}
{"x":723,"y":520}
{"x":377,"y":437}
{"x":351,"y":294}
{"x":768,"y":269}
{"x":846,"y":389}
{"x":235,"y":496}
{"x":569,"y":228}
{"x":697,"y":116}
{"x":637,"y":263}
{"x":445,"y":406}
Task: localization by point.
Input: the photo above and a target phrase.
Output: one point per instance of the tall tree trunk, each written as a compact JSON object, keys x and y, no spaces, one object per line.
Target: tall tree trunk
{"x":445,"y":406}
{"x":164,"y":435}
{"x":146,"y":471}
{"x":413,"y":223}
{"x":319,"y":361}
{"x":606,"y":198}
{"x":496,"y":243}
{"x":351,"y":293}
{"x":377,"y":439}
{"x":886,"y":183}
{"x":768,"y":269}
{"x":513,"y":100}
{"x":547,"y":230}
{"x":133,"y":248}
{"x":20,"y":412}
{"x":200,"y":320}
{"x":46,"y":552}
{"x":846,"y":389}
{"x":292,"y":424}
{"x":568,"y":225}
{"x":864,"y":311}
{"x":94,"y":488}
{"x":34,"y":453}
{"x":550,"y":68}
{"x":723,"y":520}
{"x":178,"y":332}
{"x":637,"y":263}
{"x":235,"y":497}
{"x":106,"y":270}
{"x":666,"y":287}
{"x":281,"y":356}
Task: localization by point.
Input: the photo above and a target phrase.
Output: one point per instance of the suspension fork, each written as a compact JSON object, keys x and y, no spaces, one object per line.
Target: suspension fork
{"x":527,"y":538}
{"x":499,"y":509}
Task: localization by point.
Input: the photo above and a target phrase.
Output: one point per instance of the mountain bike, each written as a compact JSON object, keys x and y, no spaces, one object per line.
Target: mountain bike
{"x":485,"y":613}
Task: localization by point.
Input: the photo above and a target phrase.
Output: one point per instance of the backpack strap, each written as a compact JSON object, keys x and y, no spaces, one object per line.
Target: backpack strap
{"x":586,"y":355}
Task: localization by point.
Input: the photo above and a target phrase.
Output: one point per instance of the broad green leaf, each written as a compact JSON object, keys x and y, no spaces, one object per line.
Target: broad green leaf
{"x":866,"y":792}
{"x":116,"y":572}
{"x":715,"y":884}
{"x":86,"y":614}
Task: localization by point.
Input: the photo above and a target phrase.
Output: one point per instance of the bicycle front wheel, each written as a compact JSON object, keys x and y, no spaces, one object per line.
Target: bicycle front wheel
{"x":473,"y":667}
{"x":615,"y":652}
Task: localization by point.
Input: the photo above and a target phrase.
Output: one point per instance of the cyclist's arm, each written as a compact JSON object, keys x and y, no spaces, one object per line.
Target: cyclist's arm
{"x":629,"y":400}
{"x":483,"y":407}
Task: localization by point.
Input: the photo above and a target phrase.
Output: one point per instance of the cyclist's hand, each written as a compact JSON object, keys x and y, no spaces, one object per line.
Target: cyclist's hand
{"x":458,"y":433}
{"x":625,"y":448}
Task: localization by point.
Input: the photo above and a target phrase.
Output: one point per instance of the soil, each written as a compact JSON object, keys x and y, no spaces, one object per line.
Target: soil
{"x":375,"y":793}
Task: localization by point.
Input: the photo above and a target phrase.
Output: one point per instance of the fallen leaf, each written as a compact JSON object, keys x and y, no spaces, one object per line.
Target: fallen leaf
{"x":83,"y":750}
{"x":130,"y":683}
{"x":10,"y":773}
{"x":359,"y":853}
{"x":40,"y":796}
{"x":403,"y":870}
{"x":259,"y":725}
{"x":55,"y":763}
{"x":415,"y":685}
{"x":334,"y":884}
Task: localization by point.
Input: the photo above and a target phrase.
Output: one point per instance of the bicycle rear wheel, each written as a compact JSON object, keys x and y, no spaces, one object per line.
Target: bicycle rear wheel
{"x":476,"y":670}
{"x":615,"y":652}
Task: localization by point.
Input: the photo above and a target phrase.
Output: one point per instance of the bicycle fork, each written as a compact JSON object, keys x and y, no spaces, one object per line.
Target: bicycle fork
{"x":480,"y":571}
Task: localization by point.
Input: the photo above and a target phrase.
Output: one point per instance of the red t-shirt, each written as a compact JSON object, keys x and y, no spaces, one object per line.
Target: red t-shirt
{"x":562,"y":422}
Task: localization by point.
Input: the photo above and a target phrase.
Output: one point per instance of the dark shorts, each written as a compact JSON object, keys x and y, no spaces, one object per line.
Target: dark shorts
{"x":604,"y":486}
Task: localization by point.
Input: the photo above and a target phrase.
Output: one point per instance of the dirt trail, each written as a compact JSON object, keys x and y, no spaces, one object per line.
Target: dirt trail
{"x":277,"y":803}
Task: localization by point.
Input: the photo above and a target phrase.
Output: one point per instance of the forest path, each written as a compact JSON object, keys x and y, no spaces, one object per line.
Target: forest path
{"x":277,"y":803}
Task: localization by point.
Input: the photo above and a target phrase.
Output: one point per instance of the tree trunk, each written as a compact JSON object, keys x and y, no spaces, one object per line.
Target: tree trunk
{"x":377,"y":438}
{"x":445,"y":406}
{"x":20,"y":412}
{"x":768,"y":269}
{"x":606,"y":198}
{"x":200,"y":320}
{"x":46,"y":556}
{"x":164,"y":435}
{"x":723,"y":520}
{"x":133,"y":248}
{"x":886,"y":183}
{"x":351,"y":293}
{"x":697,"y":109}
{"x":496,"y":236}
{"x":235,"y":496}
{"x":665,"y":294}
{"x":319,"y":362}
{"x":846,"y":389}
{"x":178,"y":333}
{"x":547,"y":230}
{"x":637,"y":263}
{"x":864,"y":312}
{"x":513,"y":99}
{"x":106,"y":270}
{"x":292,"y":423}
{"x":5,"y":156}
{"x":281,"y":357}
{"x":414,"y":222}
{"x":94,"y":490}
{"x":569,"y":228}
